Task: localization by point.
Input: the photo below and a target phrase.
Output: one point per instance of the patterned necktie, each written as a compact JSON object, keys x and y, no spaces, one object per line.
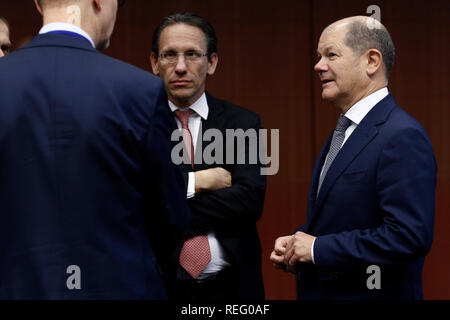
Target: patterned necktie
{"x":183,"y":116}
{"x":195,"y":254}
{"x":336,"y":144}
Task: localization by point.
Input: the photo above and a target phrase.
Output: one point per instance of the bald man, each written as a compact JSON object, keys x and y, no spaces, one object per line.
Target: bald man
{"x":371,"y":200}
{"x":5,"y":42}
{"x":89,"y":196}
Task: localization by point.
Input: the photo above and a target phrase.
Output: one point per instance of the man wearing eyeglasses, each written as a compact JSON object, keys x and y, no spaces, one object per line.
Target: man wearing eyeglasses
{"x":87,"y":186}
{"x":5,"y":42}
{"x":221,"y":255}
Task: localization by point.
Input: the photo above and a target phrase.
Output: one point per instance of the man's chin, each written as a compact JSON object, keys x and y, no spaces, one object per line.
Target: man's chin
{"x":181,"y":94}
{"x":327,"y":96}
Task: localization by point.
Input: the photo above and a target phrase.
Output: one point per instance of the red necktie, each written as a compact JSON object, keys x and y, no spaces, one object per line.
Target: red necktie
{"x":195,"y":254}
{"x":183,"y":116}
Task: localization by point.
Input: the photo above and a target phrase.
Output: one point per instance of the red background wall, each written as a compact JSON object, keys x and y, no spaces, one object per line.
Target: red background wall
{"x":267,"y":52}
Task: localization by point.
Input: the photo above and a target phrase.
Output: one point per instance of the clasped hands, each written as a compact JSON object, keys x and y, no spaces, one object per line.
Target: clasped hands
{"x":290,"y":250}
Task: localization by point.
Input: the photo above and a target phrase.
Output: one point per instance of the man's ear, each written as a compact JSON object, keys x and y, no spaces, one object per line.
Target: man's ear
{"x":154,"y":62}
{"x":374,"y":60}
{"x":38,"y":7}
{"x":212,"y":63}
{"x":97,"y":4}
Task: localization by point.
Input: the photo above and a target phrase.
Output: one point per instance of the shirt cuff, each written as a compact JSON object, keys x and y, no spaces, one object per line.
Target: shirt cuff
{"x":191,"y":185}
{"x":312,"y":251}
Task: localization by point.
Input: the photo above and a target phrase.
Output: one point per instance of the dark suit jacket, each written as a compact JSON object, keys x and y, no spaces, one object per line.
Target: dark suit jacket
{"x":375,"y":207}
{"x":232,"y":212}
{"x":84,"y":162}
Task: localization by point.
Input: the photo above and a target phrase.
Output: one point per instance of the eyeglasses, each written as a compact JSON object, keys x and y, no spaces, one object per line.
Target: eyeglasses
{"x":120,"y":3}
{"x":171,"y":57}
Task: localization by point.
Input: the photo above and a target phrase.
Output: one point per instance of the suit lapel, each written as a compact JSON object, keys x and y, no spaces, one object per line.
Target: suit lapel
{"x":315,"y":180}
{"x":214,"y":121}
{"x":364,"y":133}
{"x":357,"y":141}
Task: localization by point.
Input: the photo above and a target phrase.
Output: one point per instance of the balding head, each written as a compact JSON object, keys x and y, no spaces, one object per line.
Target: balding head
{"x":5,"y":42}
{"x":356,"y":55}
{"x":364,"y":33}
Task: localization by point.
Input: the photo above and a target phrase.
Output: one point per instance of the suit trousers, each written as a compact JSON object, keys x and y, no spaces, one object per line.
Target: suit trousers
{"x":220,"y":287}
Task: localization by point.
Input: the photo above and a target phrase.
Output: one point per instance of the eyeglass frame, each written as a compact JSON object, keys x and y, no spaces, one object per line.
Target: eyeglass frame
{"x":197,"y":55}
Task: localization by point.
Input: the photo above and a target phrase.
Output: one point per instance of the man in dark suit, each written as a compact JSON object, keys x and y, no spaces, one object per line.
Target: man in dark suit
{"x":371,"y":201}
{"x":5,"y":42}
{"x":221,"y":257}
{"x":85,"y":168}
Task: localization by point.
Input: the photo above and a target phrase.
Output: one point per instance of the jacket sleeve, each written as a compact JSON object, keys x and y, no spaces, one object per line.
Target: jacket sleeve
{"x":164,"y":185}
{"x":405,"y":187}
{"x":241,"y":203}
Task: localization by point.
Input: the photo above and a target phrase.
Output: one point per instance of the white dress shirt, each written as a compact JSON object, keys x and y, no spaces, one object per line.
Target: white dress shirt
{"x":218,"y":258}
{"x":60,"y":26}
{"x":356,"y":114}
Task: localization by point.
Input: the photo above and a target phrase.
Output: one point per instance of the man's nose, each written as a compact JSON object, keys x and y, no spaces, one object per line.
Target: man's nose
{"x":181,"y":66}
{"x":320,"y":66}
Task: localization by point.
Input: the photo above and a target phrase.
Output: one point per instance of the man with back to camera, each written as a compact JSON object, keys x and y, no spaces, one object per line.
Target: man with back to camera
{"x":85,"y":170}
{"x":221,"y":257}
{"x":5,"y":42}
{"x":371,"y":199}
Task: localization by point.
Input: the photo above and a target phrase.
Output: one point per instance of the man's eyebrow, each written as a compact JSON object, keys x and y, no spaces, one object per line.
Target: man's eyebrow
{"x":324,"y":49}
{"x":329,"y":48}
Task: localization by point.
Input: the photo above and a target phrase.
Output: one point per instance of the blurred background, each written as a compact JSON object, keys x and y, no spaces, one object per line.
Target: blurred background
{"x":267,"y":50}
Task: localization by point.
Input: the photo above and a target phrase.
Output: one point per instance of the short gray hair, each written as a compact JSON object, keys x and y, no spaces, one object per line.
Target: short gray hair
{"x":362,"y":36}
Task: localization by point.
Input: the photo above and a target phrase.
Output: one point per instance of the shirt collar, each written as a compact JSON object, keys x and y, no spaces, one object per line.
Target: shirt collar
{"x":60,"y":26}
{"x":360,"y":109}
{"x":200,"y":107}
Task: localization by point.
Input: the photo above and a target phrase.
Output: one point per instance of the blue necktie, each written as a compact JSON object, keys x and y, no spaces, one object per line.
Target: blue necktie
{"x":336,"y":144}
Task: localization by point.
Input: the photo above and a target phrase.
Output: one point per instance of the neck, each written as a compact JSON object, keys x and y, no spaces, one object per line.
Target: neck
{"x":182,"y":104}
{"x":185,"y":103}
{"x":344,"y":106}
{"x":71,"y":15}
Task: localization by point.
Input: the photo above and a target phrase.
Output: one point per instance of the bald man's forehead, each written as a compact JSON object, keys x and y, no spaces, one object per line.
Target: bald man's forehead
{"x":340,"y":26}
{"x":334,"y":31}
{"x":346,"y":22}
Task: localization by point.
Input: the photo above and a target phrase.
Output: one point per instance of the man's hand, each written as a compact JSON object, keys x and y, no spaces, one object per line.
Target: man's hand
{"x":277,"y":255}
{"x":212,"y":179}
{"x":298,"y":249}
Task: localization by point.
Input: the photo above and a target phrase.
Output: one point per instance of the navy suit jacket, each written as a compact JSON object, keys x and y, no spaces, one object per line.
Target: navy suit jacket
{"x":375,"y":207}
{"x":85,"y":175}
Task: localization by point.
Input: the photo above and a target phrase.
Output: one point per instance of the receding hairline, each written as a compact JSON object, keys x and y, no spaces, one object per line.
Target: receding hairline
{"x":362,"y":33}
{"x":349,"y":21}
